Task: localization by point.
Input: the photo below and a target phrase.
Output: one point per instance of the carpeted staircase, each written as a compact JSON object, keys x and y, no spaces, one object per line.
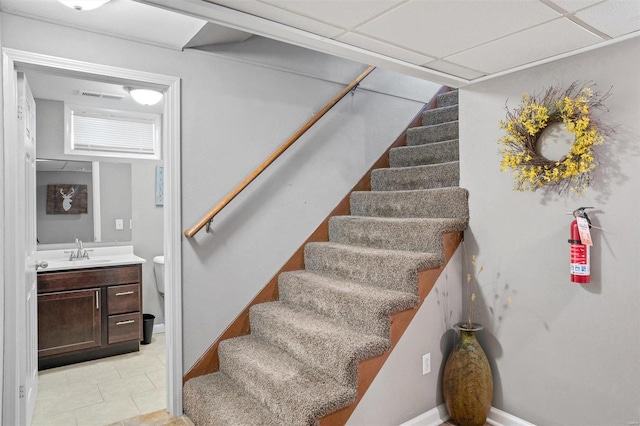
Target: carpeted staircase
{"x":300,"y":361}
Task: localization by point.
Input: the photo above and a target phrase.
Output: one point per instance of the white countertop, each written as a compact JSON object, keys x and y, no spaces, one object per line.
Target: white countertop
{"x":58,"y":260}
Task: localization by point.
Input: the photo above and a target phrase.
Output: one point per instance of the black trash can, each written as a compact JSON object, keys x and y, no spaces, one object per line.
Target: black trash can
{"x":147,"y":328}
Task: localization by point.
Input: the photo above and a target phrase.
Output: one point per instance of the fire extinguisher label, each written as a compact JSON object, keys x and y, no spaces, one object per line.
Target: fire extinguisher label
{"x":580,"y":260}
{"x":583,"y":229}
{"x":577,"y":269}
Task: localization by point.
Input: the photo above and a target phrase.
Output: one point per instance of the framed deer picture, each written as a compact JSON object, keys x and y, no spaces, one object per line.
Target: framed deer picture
{"x":66,"y":199}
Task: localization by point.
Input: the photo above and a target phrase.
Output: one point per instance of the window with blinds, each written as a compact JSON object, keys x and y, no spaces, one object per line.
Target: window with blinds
{"x":109,"y":133}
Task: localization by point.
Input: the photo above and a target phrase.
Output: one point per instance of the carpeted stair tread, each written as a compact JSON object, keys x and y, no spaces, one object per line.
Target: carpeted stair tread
{"x":412,"y":234}
{"x":391,"y":269}
{"x":214,"y":399}
{"x":436,"y":203}
{"x":440,"y":115}
{"x":447,"y":99}
{"x":293,"y":391}
{"x":360,"y":306}
{"x":416,"y":177}
{"x":434,"y":133}
{"x":316,"y":340}
{"x":431,"y":153}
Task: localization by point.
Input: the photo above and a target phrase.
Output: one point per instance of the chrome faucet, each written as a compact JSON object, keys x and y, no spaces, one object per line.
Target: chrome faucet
{"x":80,"y":252}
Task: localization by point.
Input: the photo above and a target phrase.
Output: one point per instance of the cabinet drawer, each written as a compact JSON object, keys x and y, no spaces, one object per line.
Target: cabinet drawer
{"x":124,"y":327}
{"x":123,"y":298}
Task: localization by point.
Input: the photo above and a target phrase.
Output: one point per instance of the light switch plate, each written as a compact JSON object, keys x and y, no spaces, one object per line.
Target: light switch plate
{"x":119,"y":224}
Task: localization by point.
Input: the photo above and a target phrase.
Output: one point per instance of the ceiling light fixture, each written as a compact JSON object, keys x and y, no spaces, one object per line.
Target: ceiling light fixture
{"x":83,"y":4}
{"x":144,"y":96}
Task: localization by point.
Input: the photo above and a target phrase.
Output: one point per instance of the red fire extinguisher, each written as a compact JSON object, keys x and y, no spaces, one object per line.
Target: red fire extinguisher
{"x":580,"y":247}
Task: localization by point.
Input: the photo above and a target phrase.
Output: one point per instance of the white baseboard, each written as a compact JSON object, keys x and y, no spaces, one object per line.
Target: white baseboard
{"x":439,"y":415}
{"x":158,"y":328}
{"x":500,"y":418}
{"x":433,"y":417}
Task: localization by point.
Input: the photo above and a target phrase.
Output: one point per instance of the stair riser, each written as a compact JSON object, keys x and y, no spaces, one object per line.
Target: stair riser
{"x":440,"y":115}
{"x":429,"y":134}
{"x":325,"y":350}
{"x":304,"y":296}
{"x":433,"y":153}
{"x":251,"y":370}
{"x":419,"y":177}
{"x":215,"y":399}
{"x":256,"y":385}
{"x":393,"y":273}
{"x":361,"y":312}
{"x":447,"y":99}
{"x":444,"y":203}
{"x":410,"y":236}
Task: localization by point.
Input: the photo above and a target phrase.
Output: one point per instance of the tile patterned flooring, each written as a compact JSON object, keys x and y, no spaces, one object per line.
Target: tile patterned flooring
{"x":157,"y":418}
{"x":104,"y":391}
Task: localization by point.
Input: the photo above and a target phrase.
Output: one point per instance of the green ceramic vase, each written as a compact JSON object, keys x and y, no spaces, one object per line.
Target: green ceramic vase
{"x":468,"y":384}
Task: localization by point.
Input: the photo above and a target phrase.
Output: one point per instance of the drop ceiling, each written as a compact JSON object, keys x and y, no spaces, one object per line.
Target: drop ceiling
{"x":452,"y":42}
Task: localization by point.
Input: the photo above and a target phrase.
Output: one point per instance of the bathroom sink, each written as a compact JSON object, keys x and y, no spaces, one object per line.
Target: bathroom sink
{"x":58,"y":260}
{"x":89,"y":260}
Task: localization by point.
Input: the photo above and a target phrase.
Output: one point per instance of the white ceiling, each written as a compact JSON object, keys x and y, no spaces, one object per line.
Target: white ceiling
{"x":129,"y":20}
{"x":452,"y":42}
{"x":448,"y":41}
{"x":76,"y":90}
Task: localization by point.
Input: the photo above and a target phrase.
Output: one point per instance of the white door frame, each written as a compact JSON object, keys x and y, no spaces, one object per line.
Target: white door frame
{"x":172,"y":216}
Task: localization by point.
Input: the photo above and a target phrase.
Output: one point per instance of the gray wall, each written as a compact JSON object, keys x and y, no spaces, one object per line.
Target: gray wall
{"x":115,"y":200}
{"x":63,"y":228}
{"x":234,"y":114}
{"x":147,"y":233}
{"x":400,"y":392}
{"x":563,"y":354}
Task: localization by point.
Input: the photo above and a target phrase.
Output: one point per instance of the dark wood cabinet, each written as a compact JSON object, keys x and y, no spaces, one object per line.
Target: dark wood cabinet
{"x":69,"y":321}
{"x":88,"y":313}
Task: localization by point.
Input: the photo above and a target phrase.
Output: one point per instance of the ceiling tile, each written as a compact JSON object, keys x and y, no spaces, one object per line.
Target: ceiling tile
{"x":453,"y":69}
{"x":527,"y":46}
{"x":573,"y":5}
{"x":384,"y":49}
{"x":275,"y":14}
{"x":441,"y":28}
{"x":345,"y":13}
{"x":614,"y":17}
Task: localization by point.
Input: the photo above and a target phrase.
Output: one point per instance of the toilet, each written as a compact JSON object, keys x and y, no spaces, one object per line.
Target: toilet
{"x":158,"y":271}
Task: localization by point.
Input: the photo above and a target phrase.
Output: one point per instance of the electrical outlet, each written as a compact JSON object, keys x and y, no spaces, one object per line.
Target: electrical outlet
{"x":426,"y":363}
{"x":119,"y":224}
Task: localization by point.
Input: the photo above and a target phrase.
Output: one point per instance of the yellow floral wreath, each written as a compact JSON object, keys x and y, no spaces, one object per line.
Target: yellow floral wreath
{"x":525,"y":124}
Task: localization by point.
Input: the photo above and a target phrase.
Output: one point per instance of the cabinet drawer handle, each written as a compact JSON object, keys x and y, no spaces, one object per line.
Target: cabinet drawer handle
{"x":97,"y":300}
{"x":125,"y":322}
{"x":124,"y":293}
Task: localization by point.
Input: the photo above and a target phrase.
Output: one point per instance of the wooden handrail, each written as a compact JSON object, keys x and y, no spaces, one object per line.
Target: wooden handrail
{"x":301,"y":131}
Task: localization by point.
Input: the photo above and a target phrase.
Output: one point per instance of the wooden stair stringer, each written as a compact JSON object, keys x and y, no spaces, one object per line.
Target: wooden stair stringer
{"x":369,"y":368}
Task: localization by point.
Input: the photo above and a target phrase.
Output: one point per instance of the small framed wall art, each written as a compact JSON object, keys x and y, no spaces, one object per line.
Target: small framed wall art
{"x":66,"y":199}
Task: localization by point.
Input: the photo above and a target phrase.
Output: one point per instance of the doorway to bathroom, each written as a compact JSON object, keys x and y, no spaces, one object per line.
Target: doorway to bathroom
{"x":14,"y":410}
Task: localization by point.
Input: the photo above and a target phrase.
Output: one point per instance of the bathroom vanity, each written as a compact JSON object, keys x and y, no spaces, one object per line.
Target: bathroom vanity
{"x":89,"y":309}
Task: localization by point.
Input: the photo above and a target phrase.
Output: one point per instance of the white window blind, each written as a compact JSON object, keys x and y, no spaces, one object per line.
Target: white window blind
{"x":109,"y":133}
